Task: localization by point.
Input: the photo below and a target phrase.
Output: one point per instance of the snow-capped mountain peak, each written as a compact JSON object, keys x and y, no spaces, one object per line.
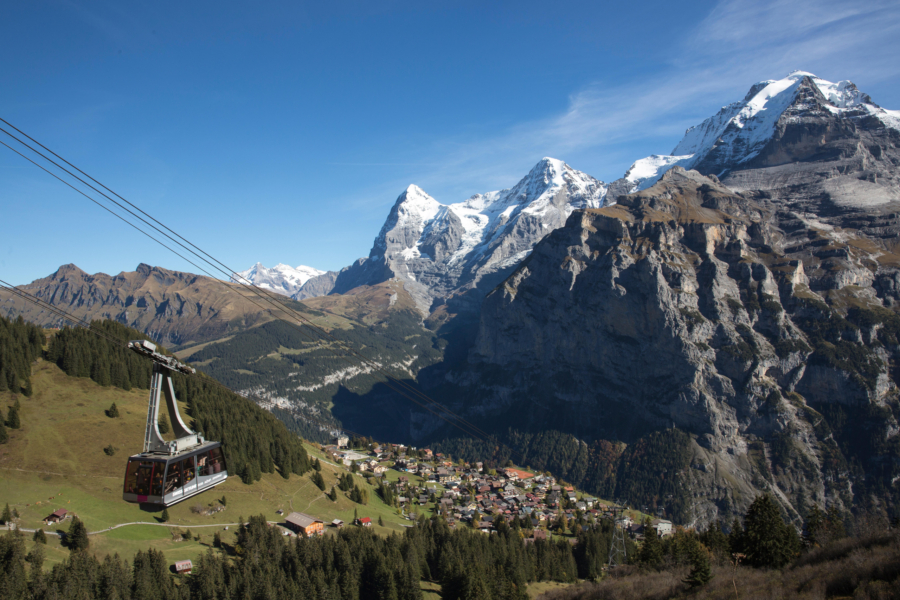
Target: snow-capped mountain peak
{"x":739,"y":131}
{"x":281,"y":279}
{"x":455,"y":245}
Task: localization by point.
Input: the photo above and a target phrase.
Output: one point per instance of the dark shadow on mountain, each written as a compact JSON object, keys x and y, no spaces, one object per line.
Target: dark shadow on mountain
{"x":382,"y":413}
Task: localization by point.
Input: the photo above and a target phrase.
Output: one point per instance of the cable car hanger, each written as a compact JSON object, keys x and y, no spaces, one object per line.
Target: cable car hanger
{"x":163,"y":366}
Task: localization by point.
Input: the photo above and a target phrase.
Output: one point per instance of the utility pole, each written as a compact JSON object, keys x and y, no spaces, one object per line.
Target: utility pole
{"x":617,"y":554}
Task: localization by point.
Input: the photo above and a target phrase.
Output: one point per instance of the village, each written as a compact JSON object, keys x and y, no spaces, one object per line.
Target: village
{"x":421,"y":482}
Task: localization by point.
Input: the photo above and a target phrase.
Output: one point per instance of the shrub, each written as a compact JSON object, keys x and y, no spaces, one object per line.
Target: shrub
{"x":110,"y":450}
{"x":113,"y":411}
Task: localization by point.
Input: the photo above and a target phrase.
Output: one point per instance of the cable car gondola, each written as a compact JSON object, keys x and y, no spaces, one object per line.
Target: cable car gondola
{"x":166,"y":473}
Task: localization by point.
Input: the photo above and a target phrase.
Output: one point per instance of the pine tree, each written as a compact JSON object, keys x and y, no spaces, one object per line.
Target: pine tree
{"x":12,"y":419}
{"x":380,"y":521}
{"x":317,"y":465}
{"x":651,"y":552}
{"x":816,"y":528}
{"x":6,"y":517}
{"x":700,"y":573}
{"x":164,"y":424}
{"x":332,"y":495}
{"x":113,"y":412}
{"x":77,"y":538}
{"x":4,"y":436}
{"x":736,"y":537}
{"x":767,"y":539}
{"x":165,"y":515}
{"x":40,"y":537}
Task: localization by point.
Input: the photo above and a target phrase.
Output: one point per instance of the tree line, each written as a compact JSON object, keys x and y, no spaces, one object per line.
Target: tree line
{"x":358,"y":564}
{"x":21,"y":343}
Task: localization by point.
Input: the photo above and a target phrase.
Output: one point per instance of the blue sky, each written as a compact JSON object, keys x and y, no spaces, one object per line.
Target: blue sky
{"x":283,"y":132}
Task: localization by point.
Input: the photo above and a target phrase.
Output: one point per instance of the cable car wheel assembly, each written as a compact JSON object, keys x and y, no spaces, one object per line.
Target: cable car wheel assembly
{"x":166,"y":473}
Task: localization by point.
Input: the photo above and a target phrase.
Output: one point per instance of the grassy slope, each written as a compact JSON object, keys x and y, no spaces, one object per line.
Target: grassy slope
{"x":56,"y":460}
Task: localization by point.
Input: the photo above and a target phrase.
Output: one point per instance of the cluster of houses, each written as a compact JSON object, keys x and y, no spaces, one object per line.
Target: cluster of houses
{"x":467,"y":493}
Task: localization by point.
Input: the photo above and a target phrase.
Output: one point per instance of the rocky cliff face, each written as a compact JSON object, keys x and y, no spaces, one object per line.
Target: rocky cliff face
{"x":759,"y":331}
{"x":460,"y":251}
{"x":171,"y":306}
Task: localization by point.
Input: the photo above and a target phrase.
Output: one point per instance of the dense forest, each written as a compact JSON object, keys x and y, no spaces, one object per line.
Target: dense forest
{"x":643,"y":473}
{"x":20,"y":344}
{"x":355,"y":564}
{"x":255,"y":442}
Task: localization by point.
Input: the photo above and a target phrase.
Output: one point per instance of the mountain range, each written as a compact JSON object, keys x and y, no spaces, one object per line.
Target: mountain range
{"x":742,"y":289}
{"x":282,"y":279}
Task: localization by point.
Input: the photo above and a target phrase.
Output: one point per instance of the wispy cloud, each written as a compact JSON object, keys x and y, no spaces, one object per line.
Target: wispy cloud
{"x":738,"y":43}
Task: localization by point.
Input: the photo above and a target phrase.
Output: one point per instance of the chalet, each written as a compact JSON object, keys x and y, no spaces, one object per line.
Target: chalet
{"x":427,"y":453}
{"x":337,"y":524}
{"x":341,"y":441}
{"x":379,"y":469}
{"x":183,"y":566}
{"x":365,"y":522}
{"x":60,"y":515}
{"x":625,"y":522}
{"x":443,"y":475}
{"x":479,"y":466}
{"x":663,"y":527}
{"x":403,"y":480}
{"x":305,"y":524}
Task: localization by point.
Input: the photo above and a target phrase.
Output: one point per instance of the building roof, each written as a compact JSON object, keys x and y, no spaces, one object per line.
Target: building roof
{"x":183,"y":564}
{"x":365,"y":520}
{"x":301,"y":520}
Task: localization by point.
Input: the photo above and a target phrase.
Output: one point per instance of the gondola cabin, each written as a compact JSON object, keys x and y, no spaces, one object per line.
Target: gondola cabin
{"x":164,"y":480}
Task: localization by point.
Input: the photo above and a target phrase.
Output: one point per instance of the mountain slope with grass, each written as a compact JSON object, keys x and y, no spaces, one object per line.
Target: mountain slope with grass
{"x":71,"y":449}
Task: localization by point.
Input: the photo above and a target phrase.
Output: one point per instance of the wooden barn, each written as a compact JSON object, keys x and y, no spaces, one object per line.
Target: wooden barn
{"x":305,"y":524}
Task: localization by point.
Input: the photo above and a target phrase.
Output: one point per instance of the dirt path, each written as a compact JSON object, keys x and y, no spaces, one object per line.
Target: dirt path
{"x":147,"y":523}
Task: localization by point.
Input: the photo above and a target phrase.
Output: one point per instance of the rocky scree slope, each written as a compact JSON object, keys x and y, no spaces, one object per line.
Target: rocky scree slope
{"x":461,"y":251}
{"x":688,"y":305}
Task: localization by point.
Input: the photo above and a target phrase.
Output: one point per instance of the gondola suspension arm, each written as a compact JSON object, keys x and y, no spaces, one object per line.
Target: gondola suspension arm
{"x":161,"y":382}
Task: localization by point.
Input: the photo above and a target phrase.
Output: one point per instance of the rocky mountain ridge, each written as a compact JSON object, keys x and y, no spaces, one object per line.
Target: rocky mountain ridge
{"x":689,"y":305}
{"x":440,"y":251}
{"x":170,"y":306}
{"x":799,"y":119}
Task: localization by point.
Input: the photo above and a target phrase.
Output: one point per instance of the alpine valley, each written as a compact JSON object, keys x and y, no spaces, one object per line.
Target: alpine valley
{"x":719,"y":322}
